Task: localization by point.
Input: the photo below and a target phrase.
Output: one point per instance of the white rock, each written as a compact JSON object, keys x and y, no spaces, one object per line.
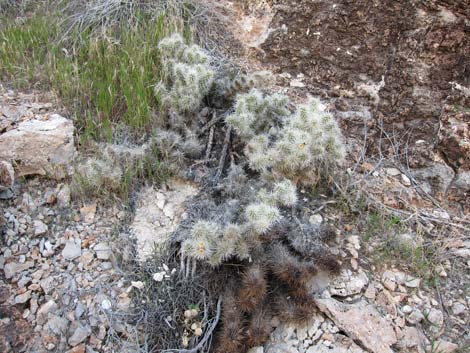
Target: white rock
{"x":458,"y":308}
{"x":72,"y":250}
{"x":158,"y":277}
{"x":405,"y":180}
{"x":256,"y":350}
{"x":39,"y":227}
{"x":106,"y":304}
{"x":63,"y":195}
{"x":316,"y":219}
{"x":297,"y":83}
{"x":138,"y":284}
{"x":41,"y":146}
{"x":103,"y":251}
{"x":435,"y":317}
{"x":147,"y":226}
{"x":407,"y":309}
{"x":392,"y":171}
{"x":412,"y":282}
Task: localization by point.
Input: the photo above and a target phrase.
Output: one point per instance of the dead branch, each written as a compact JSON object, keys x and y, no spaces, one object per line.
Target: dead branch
{"x":223,"y":155}
{"x":211,"y":123}
{"x":209,"y":144}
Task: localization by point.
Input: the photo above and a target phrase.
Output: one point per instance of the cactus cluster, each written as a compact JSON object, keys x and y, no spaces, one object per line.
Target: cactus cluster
{"x":306,"y":146}
{"x":98,"y":174}
{"x":215,"y":244}
{"x":255,"y":113}
{"x":188,"y":73}
{"x":310,"y":144}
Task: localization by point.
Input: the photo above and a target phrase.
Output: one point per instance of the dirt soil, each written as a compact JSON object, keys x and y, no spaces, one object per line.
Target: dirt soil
{"x":400,"y":68}
{"x":411,"y":51}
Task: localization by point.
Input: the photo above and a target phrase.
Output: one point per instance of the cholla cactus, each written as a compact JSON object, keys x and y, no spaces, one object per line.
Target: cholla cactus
{"x":188,"y":75}
{"x":309,"y":144}
{"x":99,"y":173}
{"x":257,"y":152}
{"x":190,"y":84}
{"x":306,"y":147}
{"x":172,"y":47}
{"x":261,"y":217}
{"x":285,"y":193}
{"x":255,"y":113}
{"x":203,"y":237}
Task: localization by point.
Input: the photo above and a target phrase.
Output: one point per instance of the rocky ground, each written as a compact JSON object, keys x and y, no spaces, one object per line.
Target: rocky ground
{"x":63,"y":287}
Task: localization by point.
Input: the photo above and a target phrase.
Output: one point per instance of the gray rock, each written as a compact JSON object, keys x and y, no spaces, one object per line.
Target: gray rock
{"x":79,"y":310}
{"x":13,"y":268}
{"x":23,"y":298}
{"x":435,"y":317}
{"x":436,"y":178}
{"x":462,"y":181}
{"x":63,"y":196}
{"x":103,"y":251}
{"x":57,"y":324}
{"x":39,"y":228}
{"x":415,"y":317}
{"x":72,"y":250}
{"x":79,"y":335}
{"x":44,"y":311}
{"x":458,"y":308}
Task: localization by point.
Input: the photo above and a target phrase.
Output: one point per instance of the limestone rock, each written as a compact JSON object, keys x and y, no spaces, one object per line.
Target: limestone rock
{"x":153,"y":224}
{"x":445,"y":346}
{"x":72,"y":250}
{"x":436,"y":178}
{"x":340,"y":344}
{"x":362,"y":322}
{"x":435,"y":317}
{"x":103,"y":251}
{"x":44,"y":310}
{"x":63,"y":195}
{"x":12,"y":268}
{"x":39,"y":228}
{"x":79,"y":335}
{"x":41,"y":146}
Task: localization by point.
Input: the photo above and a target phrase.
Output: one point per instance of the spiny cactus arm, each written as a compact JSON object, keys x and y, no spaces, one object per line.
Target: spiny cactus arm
{"x":172,"y":46}
{"x":261,"y":216}
{"x":285,"y":193}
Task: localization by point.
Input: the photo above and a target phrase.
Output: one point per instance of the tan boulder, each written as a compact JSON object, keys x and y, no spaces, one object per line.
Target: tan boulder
{"x":43,"y":146}
{"x":362,"y":322}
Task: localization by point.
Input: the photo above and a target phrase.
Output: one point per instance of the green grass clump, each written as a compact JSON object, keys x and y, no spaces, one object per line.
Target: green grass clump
{"x":104,"y":79}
